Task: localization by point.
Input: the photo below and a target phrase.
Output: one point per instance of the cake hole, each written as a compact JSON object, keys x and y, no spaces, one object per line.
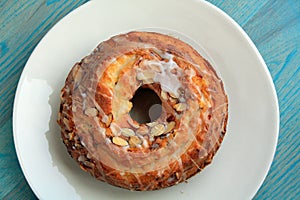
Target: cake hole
{"x":146,"y":106}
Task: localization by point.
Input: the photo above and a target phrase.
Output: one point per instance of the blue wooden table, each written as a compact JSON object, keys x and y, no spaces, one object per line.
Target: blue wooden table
{"x":273,"y":25}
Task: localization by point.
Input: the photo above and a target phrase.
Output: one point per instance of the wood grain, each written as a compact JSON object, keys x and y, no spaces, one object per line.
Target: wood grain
{"x":274,"y":27}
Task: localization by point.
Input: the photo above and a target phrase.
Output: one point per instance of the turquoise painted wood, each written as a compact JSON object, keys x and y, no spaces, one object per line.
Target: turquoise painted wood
{"x":273,"y":25}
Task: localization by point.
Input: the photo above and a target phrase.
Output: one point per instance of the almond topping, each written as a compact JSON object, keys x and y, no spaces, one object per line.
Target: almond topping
{"x":143,"y":130}
{"x":127,"y":132}
{"x":157,"y":130}
{"x":173,"y":95}
{"x":173,"y":100}
{"x":151,"y":124}
{"x":119,"y":141}
{"x":89,"y":164}
{"x":180,"y":107}
{"x":164,"y":95}
{"x":134,"y":141}
{"x":170,"y":127}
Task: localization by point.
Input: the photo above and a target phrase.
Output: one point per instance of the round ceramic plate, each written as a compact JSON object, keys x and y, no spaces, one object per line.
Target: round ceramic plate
{"x":245,"y":156}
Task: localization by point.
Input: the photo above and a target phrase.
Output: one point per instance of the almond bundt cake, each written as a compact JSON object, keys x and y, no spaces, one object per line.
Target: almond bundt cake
{"x":105,"y":111}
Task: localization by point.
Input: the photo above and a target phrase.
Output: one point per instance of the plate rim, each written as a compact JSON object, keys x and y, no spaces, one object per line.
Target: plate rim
{"x":206,"y":3}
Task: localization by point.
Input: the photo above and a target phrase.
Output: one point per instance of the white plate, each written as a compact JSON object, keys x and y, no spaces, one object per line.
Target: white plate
{"x":245,"y":156}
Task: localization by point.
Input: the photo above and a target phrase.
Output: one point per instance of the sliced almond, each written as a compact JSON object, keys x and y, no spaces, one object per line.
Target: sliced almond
{"x":134,"y":141}
{"x":127,"y":132}
{"x":89,"y":164}
{"x":173,"y":95}
{"x":133,"y":123}
{"x":119,"y":141}
{"x":143,"y":130}
{"x":164,"y":95}
{"x":157,"y":130}
{"x":89,"y":156}
{"x":151,"y":124}
{"x":91,"y":112}
{"x":173,"y":100}
{"x":180,"y":107}
{"x":170,"y":126}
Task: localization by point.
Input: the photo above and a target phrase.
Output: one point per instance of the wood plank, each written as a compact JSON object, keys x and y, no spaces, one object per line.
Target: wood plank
{"x":278,"y":40}
{"x":241,"y":11}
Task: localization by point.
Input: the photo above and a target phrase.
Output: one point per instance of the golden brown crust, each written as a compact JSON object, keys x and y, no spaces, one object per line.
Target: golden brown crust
{"x":99,"y":133}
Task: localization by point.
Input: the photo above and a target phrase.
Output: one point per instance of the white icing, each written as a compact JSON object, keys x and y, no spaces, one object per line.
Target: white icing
{"x":169,"y":81}
{"x":145,"y":143}
{"x":83,"y":144}
{"x":84,"y":104}
{"x":83,"y":95}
